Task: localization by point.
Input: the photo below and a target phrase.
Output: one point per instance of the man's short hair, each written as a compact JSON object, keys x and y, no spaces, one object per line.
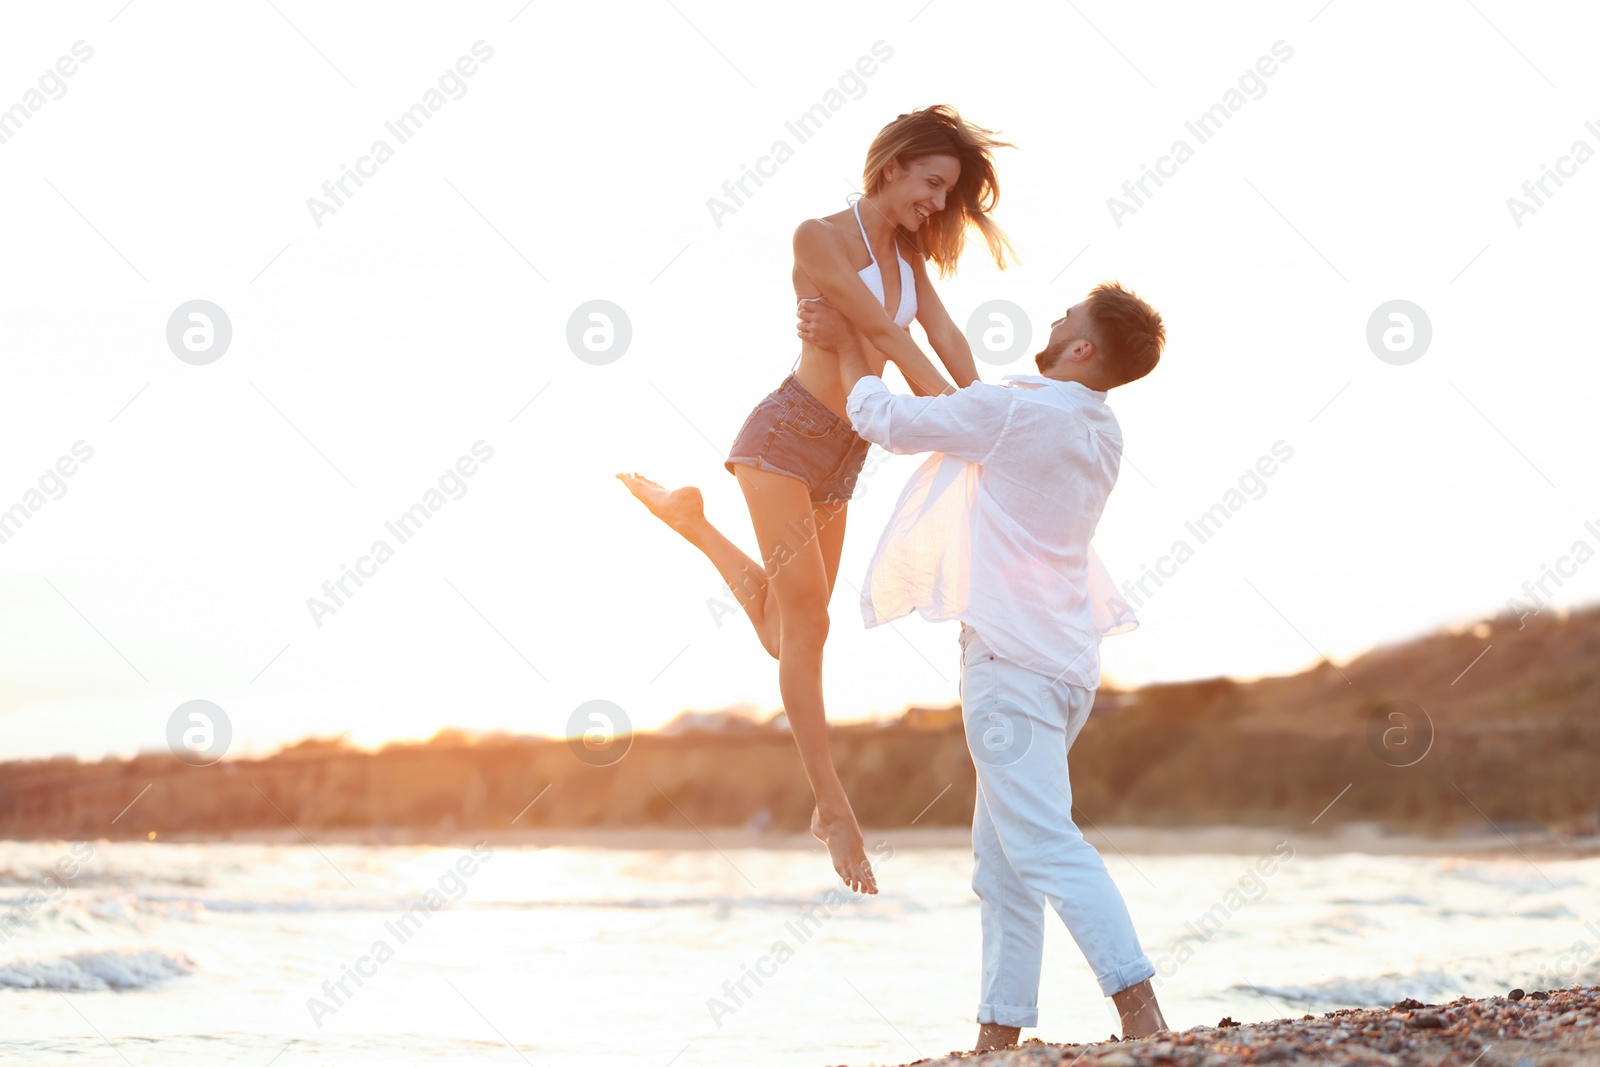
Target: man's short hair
{"x":1127,"y":331}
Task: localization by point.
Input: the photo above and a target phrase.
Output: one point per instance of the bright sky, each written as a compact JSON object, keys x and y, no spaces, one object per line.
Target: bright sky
{"x":376,"y":344}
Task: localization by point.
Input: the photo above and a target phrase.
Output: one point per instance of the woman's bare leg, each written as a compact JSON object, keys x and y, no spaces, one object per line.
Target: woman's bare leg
{"x":829,"y":520}
{"x":800,"y":676}
{"x":792,"y":544}
{"x":684,"y":511}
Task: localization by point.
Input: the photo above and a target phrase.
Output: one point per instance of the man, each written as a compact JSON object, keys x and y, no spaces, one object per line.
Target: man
{"x":994,"y":530}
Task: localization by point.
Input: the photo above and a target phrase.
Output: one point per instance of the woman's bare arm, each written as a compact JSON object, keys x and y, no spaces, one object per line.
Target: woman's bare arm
{"x":819,"y":252}
{"x":943,"y":334}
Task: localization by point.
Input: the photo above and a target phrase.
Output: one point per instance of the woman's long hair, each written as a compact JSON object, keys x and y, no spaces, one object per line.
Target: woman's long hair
{"x":939,"y":130}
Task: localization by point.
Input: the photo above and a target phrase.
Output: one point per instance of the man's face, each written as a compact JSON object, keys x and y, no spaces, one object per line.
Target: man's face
{"x":1073,"y":325}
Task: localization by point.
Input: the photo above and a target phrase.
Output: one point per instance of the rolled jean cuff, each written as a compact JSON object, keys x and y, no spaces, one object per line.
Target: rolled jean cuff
{"x":1129,"y":974}
{"x":1007,"y":1015}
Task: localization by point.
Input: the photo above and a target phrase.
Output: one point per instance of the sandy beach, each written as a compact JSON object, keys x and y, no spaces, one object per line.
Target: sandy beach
{"x":1553,"y":1028}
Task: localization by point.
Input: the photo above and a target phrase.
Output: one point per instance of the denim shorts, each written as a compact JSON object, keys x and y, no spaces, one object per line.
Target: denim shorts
{"x":793,"y":433}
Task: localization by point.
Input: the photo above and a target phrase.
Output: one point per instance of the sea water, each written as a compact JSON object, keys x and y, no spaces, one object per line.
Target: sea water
{"x":177,"y":954}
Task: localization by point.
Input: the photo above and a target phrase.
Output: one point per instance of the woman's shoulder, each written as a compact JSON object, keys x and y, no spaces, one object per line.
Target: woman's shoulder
{"x":830,"y":224}
{"x":822,"y":232}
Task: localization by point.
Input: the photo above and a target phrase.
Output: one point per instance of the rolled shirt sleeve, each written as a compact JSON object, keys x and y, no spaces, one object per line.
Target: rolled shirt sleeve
{"x":968,"y":423}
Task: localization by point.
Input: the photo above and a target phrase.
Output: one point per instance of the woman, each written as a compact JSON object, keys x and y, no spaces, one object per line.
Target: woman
{"x":928,"y":177}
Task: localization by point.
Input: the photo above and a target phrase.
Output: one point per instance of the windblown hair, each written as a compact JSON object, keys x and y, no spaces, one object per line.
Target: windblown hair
{"x":1129,"y":332}
{"x":938,"y":130}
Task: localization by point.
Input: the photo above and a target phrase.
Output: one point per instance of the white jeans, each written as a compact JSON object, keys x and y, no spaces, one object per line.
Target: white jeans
{"x":1026,"y":849}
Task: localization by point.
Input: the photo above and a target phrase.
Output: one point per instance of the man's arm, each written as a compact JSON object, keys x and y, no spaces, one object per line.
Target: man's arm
{"x":822,"y":325}
{"x":967,"y":423}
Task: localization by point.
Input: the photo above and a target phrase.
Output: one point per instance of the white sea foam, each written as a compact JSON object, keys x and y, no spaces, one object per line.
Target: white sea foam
{"x":1372,"y":902}
{"x":93,"y":972}
{"x":1519,"y":876}
{"x":1428,"y":986}
{"x":162,"y":903}
{"x":1373,"y":991}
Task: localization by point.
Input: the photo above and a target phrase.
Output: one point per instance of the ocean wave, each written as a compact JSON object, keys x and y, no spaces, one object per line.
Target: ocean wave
{"x":860,"y":905}
{"x":86,"y":911}
{"x":95,"y":972}
{"x":49,"y":880}
{"x":136,"y":910}
{"x":1487,"y":978}
{"x":1510,"y":877}
{"x":1377,"y":991}
{"x":299,"y":905}
{"x":1396,"y":898}
{"x":1553,"y":911}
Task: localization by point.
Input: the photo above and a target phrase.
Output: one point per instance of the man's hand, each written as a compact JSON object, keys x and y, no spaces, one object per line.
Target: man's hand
{"x":826,"y":328}
{"x":823,"y":325}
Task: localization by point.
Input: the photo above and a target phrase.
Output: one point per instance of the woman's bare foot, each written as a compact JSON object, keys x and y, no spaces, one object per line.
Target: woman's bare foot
{"x":847,"y":849}
{"x":678,"y":508}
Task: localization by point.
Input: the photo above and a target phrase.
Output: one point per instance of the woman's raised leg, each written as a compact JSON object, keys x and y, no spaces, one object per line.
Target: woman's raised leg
{"x":684,"y":511}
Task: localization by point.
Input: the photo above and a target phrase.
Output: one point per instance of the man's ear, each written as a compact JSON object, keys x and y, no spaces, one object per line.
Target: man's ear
{"x":1081,"y":350}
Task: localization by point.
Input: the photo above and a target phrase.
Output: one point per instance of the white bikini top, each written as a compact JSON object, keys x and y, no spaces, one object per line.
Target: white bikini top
{"x":874,"y":279}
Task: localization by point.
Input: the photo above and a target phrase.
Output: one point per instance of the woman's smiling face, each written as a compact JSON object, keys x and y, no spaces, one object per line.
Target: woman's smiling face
{"x":916,"y":191}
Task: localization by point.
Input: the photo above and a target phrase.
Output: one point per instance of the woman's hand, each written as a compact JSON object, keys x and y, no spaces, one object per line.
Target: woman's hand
{"x":846,"y":848}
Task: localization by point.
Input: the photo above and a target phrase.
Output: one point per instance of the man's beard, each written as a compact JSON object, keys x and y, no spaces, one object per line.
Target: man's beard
{"x":1049,"y":355}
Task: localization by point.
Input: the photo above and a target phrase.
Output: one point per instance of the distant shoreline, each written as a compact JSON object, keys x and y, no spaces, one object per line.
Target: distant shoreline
{"x":1364,"y":838}
{"x":1507,"y":763}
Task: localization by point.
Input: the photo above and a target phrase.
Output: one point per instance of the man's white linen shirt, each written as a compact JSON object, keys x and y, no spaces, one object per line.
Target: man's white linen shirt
{"x":994,"y":529}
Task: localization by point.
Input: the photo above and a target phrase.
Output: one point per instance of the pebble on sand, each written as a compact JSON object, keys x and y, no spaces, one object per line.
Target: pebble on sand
{"x":1544,"y":1028}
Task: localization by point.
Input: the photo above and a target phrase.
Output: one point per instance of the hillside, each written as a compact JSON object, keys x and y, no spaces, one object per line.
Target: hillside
{"x":1516,"y":740}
